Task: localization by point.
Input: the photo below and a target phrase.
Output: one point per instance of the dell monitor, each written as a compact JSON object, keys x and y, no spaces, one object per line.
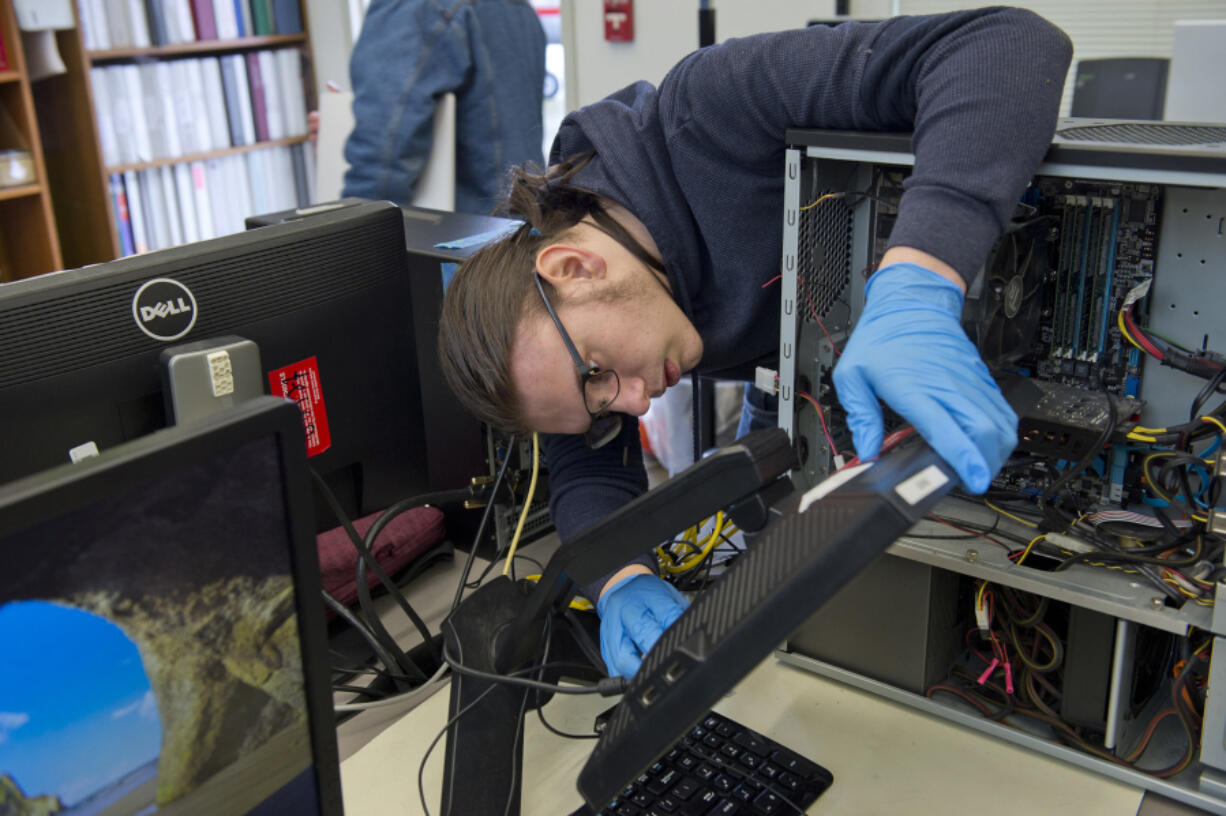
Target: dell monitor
{"x":325,"y":300}
{"x":161,"y":628}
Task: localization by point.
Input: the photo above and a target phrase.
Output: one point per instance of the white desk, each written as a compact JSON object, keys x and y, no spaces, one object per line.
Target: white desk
{"x":886,"y":758}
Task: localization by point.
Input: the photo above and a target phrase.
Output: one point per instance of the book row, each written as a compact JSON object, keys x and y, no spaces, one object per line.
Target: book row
{"x":107,"y":24}
{"x":166,"y":109}
{"x":161,"y":207}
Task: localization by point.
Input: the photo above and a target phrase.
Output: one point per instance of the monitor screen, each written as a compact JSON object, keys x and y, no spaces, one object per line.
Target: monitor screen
{"x":326,"y":299}
{"x":161,"y":630}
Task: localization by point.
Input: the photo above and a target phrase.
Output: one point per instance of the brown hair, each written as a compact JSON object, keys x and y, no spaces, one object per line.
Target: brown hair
{"x":494,"y":289}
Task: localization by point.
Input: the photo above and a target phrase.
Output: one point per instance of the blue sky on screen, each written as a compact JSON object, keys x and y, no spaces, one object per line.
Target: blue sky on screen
{"x":76,"y":710}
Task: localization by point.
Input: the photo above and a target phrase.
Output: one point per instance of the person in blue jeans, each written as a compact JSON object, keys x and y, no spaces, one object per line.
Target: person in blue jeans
{"x":647,"y":242}
{"x":489,"y":53}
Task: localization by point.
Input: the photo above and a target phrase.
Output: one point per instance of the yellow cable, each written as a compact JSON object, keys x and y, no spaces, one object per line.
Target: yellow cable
{"x":1135,"y":437}
{"x":582,"y":604}
{"x":1030,"y":546}
{"x":1216,"y":422}
{"x":1124,"y":331}
{"x":523,"y":516}
{"x":1156,"y":489}
{"x":1018,"y":519}
{"x":819,"y":200}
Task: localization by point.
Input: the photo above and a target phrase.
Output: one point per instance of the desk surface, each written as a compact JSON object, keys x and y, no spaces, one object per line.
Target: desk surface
{"x":886,"y":758}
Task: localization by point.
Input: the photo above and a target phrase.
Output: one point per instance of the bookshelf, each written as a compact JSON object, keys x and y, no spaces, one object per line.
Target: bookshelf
{"x":29,"y":244}
{"x":95,"y":171}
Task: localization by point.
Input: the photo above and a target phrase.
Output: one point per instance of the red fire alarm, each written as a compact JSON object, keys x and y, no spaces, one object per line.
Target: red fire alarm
{"x":619,"y":20}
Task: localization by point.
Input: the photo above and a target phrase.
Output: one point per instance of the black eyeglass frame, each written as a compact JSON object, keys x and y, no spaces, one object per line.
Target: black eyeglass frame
{"x":605,"y":426}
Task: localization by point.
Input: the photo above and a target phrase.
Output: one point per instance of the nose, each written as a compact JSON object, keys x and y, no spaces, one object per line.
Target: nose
{"x":633,"y":398}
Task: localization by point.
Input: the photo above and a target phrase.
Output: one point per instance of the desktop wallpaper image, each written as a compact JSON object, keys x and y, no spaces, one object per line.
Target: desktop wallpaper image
{"x":151,"y":659}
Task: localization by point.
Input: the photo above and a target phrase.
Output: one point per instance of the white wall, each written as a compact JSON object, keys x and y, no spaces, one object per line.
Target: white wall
{"x":664,"y":32}
{"x":1101,"y":28}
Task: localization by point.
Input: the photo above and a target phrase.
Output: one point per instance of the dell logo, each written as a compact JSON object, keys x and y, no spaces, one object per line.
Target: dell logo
{"x":170,"y":307}
{"x":164,"y":309}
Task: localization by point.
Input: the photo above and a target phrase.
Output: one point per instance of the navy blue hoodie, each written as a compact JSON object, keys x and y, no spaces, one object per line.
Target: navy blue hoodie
{"x":700,"y":161}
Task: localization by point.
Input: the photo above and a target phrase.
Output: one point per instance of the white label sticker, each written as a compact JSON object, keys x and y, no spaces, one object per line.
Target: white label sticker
{"x":920,"y":486}
{"x":82,"y":451}
{"x":1137,"y":292}
{"x":838,"y":479}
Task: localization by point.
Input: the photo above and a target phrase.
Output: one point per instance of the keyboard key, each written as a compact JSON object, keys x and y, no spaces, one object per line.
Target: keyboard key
{"x":704,"y":772}
{"x":768,"y":770}
{"x":701,"y":804}
{"x":724,"y":783}
{"x":749,"y":759}
{"x":791,"y":761}
{"x":687,"y":762}
{"x":712,"y":740}
{"x":725,"y":729}
{"x":743,"y":793}
{"x":767,"y":803}
{"x":791,"y":781}
{"x":727,"y":807}
{"x":669,"y":803}
{"x":753,"y":741}
{"x":684,"y":789}
{"x":712,"y":721}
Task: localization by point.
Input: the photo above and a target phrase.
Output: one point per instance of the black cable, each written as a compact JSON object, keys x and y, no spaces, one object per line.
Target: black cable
{"x":363,"y":590}
{"x":606,"y":687}
{"x":1209,"y":388}
{"x":376,"y":645}
{"x":368,"y":548}
{"x":485,"y":517}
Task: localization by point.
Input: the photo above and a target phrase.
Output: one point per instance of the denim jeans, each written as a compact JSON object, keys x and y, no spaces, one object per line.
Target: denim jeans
{"x":759,"y":410}
{"x":489,"y":53}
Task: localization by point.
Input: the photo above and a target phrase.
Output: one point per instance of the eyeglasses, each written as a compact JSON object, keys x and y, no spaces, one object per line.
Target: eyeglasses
{"x":599,"y":388}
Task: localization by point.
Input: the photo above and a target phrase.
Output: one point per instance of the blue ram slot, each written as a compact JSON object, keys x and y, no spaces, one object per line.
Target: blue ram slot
{"x":1105,"y":320}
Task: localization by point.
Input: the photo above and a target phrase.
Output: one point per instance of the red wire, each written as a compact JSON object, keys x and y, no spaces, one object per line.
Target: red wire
{"x":1145,"y":342}
{"x":821,"y":416}
{"x":772,"y":280}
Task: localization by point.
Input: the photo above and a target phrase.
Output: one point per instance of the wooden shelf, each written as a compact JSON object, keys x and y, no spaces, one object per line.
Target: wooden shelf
{"x":200,"y":47}
{"x":20,"y":191}
{"x":212,"y":154}
{"x":29,"y":238}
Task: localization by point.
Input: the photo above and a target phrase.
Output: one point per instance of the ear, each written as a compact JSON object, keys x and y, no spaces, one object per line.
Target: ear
{"x":570,"y":266}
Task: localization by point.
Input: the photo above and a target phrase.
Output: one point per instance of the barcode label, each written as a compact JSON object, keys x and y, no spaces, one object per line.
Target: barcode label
{"x":920,"y":486}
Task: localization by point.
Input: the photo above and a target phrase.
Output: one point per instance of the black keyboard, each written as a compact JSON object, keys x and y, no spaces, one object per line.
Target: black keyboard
{"x":722,"y":768}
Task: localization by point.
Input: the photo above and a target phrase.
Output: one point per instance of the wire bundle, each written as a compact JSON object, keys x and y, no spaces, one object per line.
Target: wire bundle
{"x":1012,"y":622}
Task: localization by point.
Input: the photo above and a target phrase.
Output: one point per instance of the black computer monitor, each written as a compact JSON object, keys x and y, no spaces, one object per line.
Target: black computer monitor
{"x":161,"y":631}
{"x":325,"y":299}
{"x":1120,"y":88}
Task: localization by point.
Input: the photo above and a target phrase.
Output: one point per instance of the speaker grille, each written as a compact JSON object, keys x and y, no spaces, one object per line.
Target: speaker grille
{"x":824,"y":265}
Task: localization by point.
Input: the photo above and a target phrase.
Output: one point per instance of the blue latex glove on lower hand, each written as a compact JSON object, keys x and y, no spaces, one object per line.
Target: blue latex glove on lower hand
{"x":909,"y":350}
{"x":634,"y":612}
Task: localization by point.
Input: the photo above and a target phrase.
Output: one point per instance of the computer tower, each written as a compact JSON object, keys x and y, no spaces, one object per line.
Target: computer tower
{"x":895,"y":622}
{"x":1122,"y":217}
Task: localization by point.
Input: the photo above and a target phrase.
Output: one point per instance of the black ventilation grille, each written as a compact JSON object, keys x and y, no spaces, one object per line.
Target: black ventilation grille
{"x":751,"y":579}
{"x":1157,"y":133}
{"x":233,"y":286}
{"x":824,"y":266}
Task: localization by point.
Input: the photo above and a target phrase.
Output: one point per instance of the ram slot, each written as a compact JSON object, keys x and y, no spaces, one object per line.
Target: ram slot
{"x":1070,"y":240}
{"x":1085,"y":285}
{"x":1077,"y":276}
{"x":1109,"y":220}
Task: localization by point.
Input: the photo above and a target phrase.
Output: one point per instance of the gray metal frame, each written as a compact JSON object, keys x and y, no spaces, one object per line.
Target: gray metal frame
{"x":1191,"y":253}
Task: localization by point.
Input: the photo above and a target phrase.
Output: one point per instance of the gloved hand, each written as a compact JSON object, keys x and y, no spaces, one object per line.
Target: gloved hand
{"x":634,"y":612}
{"x":909,"y":349}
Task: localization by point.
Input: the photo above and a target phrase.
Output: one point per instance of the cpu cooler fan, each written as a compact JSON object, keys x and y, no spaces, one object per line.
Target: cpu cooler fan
{"x":1002,"y":313}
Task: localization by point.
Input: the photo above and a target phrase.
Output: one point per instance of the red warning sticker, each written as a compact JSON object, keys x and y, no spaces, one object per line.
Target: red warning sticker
{"x":299,"y":383}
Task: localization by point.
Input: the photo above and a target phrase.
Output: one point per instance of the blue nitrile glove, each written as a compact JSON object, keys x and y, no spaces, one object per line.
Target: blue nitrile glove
{"x":909,"y":349}
{"x":634,"y":612}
